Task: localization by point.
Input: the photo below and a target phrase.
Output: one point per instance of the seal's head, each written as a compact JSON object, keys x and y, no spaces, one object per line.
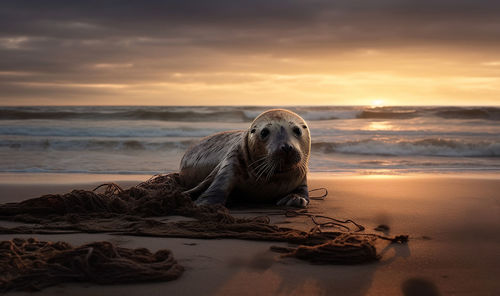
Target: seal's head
{"x":278,"y":142}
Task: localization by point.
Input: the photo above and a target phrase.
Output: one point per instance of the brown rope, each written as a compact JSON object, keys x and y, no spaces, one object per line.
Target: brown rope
{"x":111,"y":189}
{"x":332,"y":223}
{"x":320,"y":197}
{"x":29,"y":264}
{"x":133,"y":211}
{"x":345,"y":249}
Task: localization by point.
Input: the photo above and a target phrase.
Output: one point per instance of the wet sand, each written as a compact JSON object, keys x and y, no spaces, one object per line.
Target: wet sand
{"x":453,"y":222}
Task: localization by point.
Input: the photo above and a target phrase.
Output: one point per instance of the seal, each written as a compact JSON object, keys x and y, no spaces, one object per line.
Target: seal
{"x":266,"y":163}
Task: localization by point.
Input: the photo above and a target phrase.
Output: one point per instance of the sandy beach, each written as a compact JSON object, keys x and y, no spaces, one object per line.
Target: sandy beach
{"x":452,"y":220}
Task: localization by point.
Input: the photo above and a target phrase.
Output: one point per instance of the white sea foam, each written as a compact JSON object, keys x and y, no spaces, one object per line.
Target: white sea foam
{"x":426,"y":147}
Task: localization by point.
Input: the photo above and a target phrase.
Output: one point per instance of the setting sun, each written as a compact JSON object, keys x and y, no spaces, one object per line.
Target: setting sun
{"x":377,"y":103}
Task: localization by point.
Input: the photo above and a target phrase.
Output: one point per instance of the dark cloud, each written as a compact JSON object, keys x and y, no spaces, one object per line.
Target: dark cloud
{"x":104,"y":19}
{"x":66,"y":41}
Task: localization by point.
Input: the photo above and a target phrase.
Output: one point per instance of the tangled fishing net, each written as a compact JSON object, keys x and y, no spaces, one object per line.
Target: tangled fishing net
{"x":29,"y":264}
{"x":135,"y":211}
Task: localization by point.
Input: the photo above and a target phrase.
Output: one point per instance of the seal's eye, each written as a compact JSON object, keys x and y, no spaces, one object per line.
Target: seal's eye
{"x":297,"y":131}
{"x":264,"y":132}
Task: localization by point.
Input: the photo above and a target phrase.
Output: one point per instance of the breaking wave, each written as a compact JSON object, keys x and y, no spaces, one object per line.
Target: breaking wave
{"x":424,"y":147}
{"x":240,"y":114}
{"x":93,"y":144}
{"x":488,"y":113}
{"x":381,"y":114}
{"x":138,"y":114}
{"x":120,"y":132}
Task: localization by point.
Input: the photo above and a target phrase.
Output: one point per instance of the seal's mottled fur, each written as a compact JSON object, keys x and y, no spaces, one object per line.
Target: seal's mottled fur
{"x":266,"y":163}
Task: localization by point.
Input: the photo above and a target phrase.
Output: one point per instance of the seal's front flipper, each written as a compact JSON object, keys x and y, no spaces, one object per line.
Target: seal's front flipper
{"x":217,"y":193}
{"x":222,"y":184}
{"x":211,"y":198}
{"x":293,"y":200}
{"x":195,"y":192}
{"x":298,"y":198}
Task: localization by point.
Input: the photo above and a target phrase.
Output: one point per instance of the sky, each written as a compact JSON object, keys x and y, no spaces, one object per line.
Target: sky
{"x":343,"y":52}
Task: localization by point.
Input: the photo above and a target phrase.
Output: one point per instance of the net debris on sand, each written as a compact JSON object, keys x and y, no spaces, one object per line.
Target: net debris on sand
{"x":29,"y":264}
{"x":135,"y":211}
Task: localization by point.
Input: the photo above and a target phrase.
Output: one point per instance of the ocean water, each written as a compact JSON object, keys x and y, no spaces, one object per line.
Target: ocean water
{"x":150,"y":140}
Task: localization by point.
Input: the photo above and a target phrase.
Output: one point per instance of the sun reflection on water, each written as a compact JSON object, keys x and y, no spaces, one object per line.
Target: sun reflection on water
{"x":379,"y":126}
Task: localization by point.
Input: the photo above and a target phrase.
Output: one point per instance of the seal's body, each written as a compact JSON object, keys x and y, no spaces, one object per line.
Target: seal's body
{"x":266,"y":163}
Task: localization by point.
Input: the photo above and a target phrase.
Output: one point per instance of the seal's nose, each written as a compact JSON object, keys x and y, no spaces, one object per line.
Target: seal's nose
{"x":288,"y":155}
{"x":287,"y":148}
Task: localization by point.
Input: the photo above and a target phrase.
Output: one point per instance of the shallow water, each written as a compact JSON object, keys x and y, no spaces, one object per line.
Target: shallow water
{"x":148,"y":140}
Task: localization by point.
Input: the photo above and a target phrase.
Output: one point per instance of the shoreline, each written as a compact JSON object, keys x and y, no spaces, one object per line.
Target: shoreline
{"x":84,"y":178}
